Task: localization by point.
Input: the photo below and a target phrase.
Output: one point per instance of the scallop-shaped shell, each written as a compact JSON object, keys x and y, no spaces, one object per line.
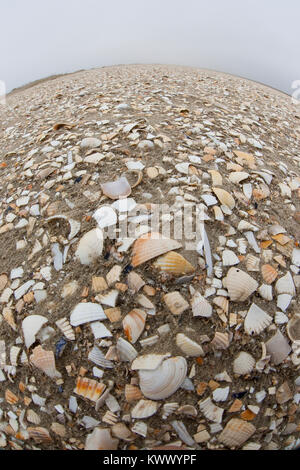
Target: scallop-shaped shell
{"x":252,"y":263}
{"x":89,"y":388}
{"x":135,"y":282}
{"x":31,"y":325}
{"x":211,"y":411}
{"x":90,"y":246}
{"x":134,"y":324}
{"x":118,"y":189}
{"x":125,"y":350}
{"x":269,"y":273}
{"x":220,"y":341}
{"x":168,"y":409}
{"x":165,"y":380}
{"x":100,"y":439}
{"x":132,"y":393}
{"x":224,"y":197}
{"x":150,"y":246}
{"x":173,"y":263}
{"x":44,"y":360}
{"x":239,"y":285}
{"x":175,"y":302}
{"x":39,"y":435}
{"x":148,"y":361}
{"x":229,"y":258}
{"x":243,"y":364}
{"x":144,"y":409}
{"x":285,"y":285}
{"x":293,"y":329}
{"x":188,"y":347}
{"x":86,"y":312}
{"x":256,"y":320}
{"x":65,"y":327}
{"x":200,"y":306}
{"x":236,"y":432}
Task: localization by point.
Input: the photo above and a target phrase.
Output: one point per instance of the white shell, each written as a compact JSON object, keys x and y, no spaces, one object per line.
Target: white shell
{"x":221,"y":394}
{"x":98,"y":358}
{"x":200,"y":306}
{"x":65,"y":327}
{"x":283,"y":301}
{"x":90,"y":247}
{"x":105,"y":216}
{"x":296,"y":257}
{"x":239,"y":285}
{"x":168,"y":409}
{"x":109,"y":299}
{"x":285,"y":285}
{"x":31,"y":326}
{"x":211,"y":411}
{"x":256,"y":320}
{"x":252,"y":263}
{"x":238,"y":176}
{"x":101,"y":439}
{"x":243,"y":364}
{"x":165,"y":380}
{"x":229,"y":258}
{"x":144,"y":409}
{"x":86,"y":312}
{"x":189,"y":347}
{"x":265,"y":292}
{"x":148,"y":361}
{"x":125,"y":350}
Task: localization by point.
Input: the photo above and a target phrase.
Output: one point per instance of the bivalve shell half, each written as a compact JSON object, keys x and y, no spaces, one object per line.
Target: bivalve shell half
{"x":188,"y":347}
{"x":90,"y":246}
{"x":269,"y":273}
{"x":243,"y":364}
{"x":224,"y":197}
{"x":150,"y":246}
{"x":293,"y":329}
{"x":236,"y":432}
{"x":174,"y":263}
{"x":44,"y":360}
{"x":118,"y":189}
{"x":148,"y":361}
{"x":229,"y":258}
{"x":144,"y":409}
{"x":239,"y":285}
{"x":165,"y":380}
{"x":256,"y":320}
{"x":134,"y":324}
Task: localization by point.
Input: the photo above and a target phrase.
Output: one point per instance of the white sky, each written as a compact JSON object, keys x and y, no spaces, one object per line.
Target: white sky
{"x":255,"y":39}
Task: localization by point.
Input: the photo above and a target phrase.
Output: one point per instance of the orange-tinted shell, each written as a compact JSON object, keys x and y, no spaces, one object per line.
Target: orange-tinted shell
{"x":269,"y":273}
{"x":174,"y":263}
{"x":89,"y":388}
{"x":150,"y":246}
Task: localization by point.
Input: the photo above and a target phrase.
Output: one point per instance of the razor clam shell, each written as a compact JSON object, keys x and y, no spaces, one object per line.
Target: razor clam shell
{"x":239,"y":285}
{"x":165,"y":380}
{"x":100,"y":439}
{"x":243,"y":363}
{"x":86,"y":312}
{"x":144,"y":409}
{"x":278,"y":348}
{"x":31,"y":325}
{"x":125,"y":350}
{"x":211,"y":411}
{"x":256,"y":320}
{"x":189,"y":347}
{"x":236,"y":432}
{"x":98,"y":358}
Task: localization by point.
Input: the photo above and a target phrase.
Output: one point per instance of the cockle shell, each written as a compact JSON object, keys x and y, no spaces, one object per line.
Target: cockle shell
{"x":266,"y":292}
{"x":220,"y":341}
{"x":285,"y":285}
{"x":293,"y":329}
{"x":224,"y":197}
{"x":118,"y":189}
{"x":100,"y":439}
{"x":174,"y":263}
{"x":144,"y":409}
{"x":125,"y":350}
{"x":239,"y":285}
{"x":200,"y":306}
{"x":256,"y":320}
{"x":278,"y":348}
{"x":90,"y":246}
{"x":243,"y":364}
{"x":189,"y":347}
{"x":269,"y":273}
{"x":86,"y":312}
{"x":165,"y":380}
{"x":89,"y":388}
{"x":65,"y":327}
{"x":150,"y":246}
{"x":44,"y":360}
{"x":175,"y":302}
{"x":252,"y":263}
{"x":211,"y":411}
{"x":134,"y":324}
{"x":236,"y":432}
{"x":31,"y":325}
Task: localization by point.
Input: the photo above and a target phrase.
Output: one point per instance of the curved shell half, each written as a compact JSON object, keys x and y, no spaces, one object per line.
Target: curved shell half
{"x":86,"y":312}
{"x":285,"y":285}
{"x":236,"y":432}
{"x":239,"y":285}
{"x":125,"y":350}
{"x":243,"y":364}
{"x":150,"y":246}
{"x":224,"y":197}
{"x":189,"y":347}
{"x":118,"y":189}
{"x":90,"y":246}
{"x":174,"y":263}
{"x":165,"y":380}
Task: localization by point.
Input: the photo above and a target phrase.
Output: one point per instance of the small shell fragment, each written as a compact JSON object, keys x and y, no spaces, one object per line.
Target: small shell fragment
{"x":144,"y":409}
{"x":189,"y":347}
{"x":236,"y":432}
{"x":176,"y":303}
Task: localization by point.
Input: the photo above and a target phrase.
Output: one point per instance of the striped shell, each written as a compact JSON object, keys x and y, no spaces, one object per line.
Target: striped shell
{"x":211,"y":411}
{"x":132,"y":393}
{"x":188,"y":347}
{"x":134,"y":324}
{"x":173,"y":263}
{"x":44,"y":360}
{"x":150,"y":246}
{"x":220,"y":340}
{"x":200,"y":306}
{"x":125,"y":350}
{"x":269,"y":273}
{"x":239,"y":285}
{"x":256,"y":320}
{"x":65,"y":327}
{"x":243,"y":364}
{"x":236,"y":432}
{"x":89,"y":388}
{"x":229,"y":258}
{"x":39,"y":435}
{"x":144,"y":409}
{"x":86,"y":312}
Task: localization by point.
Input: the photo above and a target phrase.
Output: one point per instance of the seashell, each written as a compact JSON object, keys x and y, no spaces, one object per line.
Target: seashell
{"x":264,"y":360}
{"x":211,"y":411}
{"x":220,"y":341}
{"x":110,"y":418}
{"x":100,"y":439}
{"x":247,"y":190}
{"x":183,"y":168}
{"x":99,"y":330}
{"x":283,"y":393}
{"x":175,"y":302}
{"x":200,"y":306}
{"x":281,"y":239}
{"x":295,"y":257}
{"x":285,"y":285}
{"x":109,"y":299}
{"x":236,"y":432}
{"x":39,"y":435}
{"x":182,"y":433}
{"x":44,"y":360}
{"x":165,"y":380}
{"x":33,"y":417}
{"x":121,"y":431}
{"x":256,"y":320}
{"x":89,"y":388}
{"x":151,"y":245}
{"x":3,"y":281}
{"x":252,"y":241}
{"x":266,"y":292}
{"x":10,"y":397}
{"x":65,"y":327}
{"x":99,"y":284}
{"x":132,"y":393}
{"x":118,"y":189}
{"x":224,"y":197}
{"x":245,"y":158}
{"x":216,"y":177}
{"x":237,"y":176}
{"x":146,"y":303}
{"x":276,"y":229}
{"x":90,"y":247}
{"x":148,"y":361}
{"x":125,"y":350}
{"x":293,"y":329}
{"x":96,"y":356}
{"x":218,"y":213}
{"x":229,"y":258}
{"x":188,"y":410}
{"x":223,"y":377}
{"x":252,"y":263}
{"x":113,"y":314}
{"x":31,"y":325}
{"x":135,"y":282}
{"x":9,"y":317}
{"x":221,"y":394}
{"x":278,"y":348}
{"x":144,"y":409}
{"x":239,"y":285}
{"x":134,"y":324}
{"x":13,"y":355}
{"x":243,"y":364}
{"x":69,"y":289}
{"x":168,"y":409}
{"x":244,"y":225}
{"x":86,"y":312}
{"x":269,"y":273}
{"x":74,"y":224}
{"x":280,"y":318}
{"x":189,"y":347}
{"x":140,"y":428}
{"x":283,"y":301}
{"x":174,"y":263}
{"x":222,"y":302}
{"x":105,"y":217}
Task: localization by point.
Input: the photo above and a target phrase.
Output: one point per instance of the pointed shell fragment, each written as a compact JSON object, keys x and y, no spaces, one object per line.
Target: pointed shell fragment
{"x":256,"y":320}
{"x":200,"y":306}
{"x":239,"y":285}
{"x":174,"y":263}
{"x":278,"y":348}
{"x":150,"y":246}
{"x":236,"y":432}
{"x":100,"y":439}
{"x":224,"y":197}
{"x":189,"y":347}
{"x":31,"y":325}
{"x":44,"y":360}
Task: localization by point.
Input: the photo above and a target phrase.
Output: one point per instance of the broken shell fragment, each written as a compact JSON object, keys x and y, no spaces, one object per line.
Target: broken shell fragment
{"x":31,"y":325}
{"x":200,"y":306}
{"x":134,"y":324}
{"x":236,"y":432}
{"x":239,"y":285}
{"x":224,"y":197}
{"x":189,"y":347}
{"x":89,"y":388}
{"x":293,"y":329}
{"x":211,"y":411}
{"x":174,"y":263}
{"x":118,"y":189}
{"x":278,"y":348}
{"x":65,"y":327}
{"x":144,"y":409}
{"x":256,"y":320}
{"x":100,"y":439}
{"x":175,"y":302}
{"x":90,"y":247}
{"x":44,"y":360}
{"x":269,"y":273}
{"x":150,"y":246}
{"x":86,"y":312}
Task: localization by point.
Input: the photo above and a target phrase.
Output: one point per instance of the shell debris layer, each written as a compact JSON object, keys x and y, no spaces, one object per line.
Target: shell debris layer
{"x":149,"y":284}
